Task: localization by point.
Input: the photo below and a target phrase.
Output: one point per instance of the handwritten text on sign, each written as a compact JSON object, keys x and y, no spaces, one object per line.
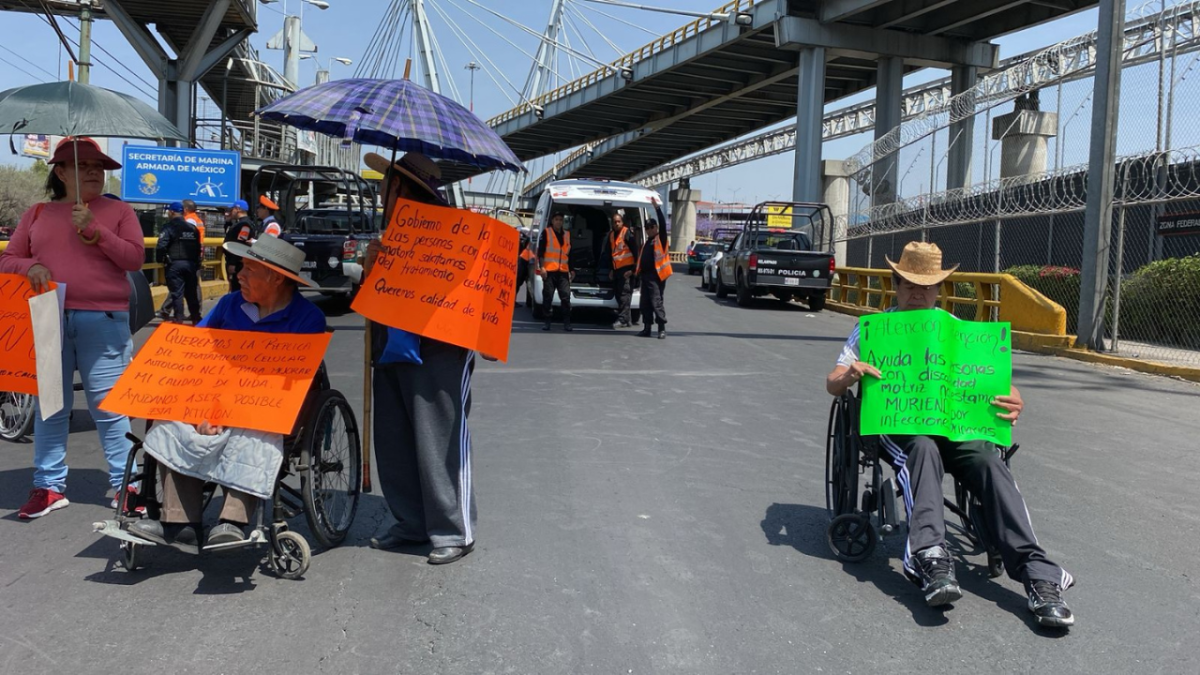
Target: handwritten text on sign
{"x":939,"y":376}
{"x":18,"y":367}
{"x":228,"y":378}
{"x":446,"y":274}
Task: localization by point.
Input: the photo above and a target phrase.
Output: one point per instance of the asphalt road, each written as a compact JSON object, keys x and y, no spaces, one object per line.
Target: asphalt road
{"x":649,"y":506}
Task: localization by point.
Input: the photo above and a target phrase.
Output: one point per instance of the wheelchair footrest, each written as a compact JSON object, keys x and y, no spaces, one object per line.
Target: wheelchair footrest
{"x":112,"y":528}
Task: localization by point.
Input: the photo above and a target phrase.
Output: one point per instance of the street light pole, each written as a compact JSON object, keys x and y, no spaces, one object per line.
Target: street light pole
{"x":472,"y":66}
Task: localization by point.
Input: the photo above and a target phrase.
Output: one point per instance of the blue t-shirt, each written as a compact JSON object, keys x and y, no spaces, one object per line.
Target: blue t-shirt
{"x":234,"y":313}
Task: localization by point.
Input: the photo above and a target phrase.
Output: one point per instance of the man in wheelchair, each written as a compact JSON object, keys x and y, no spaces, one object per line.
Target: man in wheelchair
{"x":244,"y":462}
{"x":920,"y":462}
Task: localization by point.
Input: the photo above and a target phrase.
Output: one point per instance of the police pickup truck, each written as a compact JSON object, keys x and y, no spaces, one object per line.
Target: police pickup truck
{"x":784,"y":250}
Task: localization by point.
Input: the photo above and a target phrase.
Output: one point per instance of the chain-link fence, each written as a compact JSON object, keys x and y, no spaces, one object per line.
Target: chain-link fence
{"x":1022,"y":211}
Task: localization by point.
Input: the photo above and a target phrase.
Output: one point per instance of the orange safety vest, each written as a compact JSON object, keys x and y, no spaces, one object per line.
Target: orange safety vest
{"x":527,"y":254}
{"x":273,"y":229}
{"x":556,"y":255}
{"x":198,"y":222}
{"x":662,"y":261}
{"x":621,"y":255}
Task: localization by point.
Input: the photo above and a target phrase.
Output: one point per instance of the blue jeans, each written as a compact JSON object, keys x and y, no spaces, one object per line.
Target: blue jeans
{"x":98,"y":344}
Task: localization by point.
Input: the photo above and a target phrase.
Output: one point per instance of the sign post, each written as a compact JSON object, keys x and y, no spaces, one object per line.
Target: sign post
{"x":154,"y":175}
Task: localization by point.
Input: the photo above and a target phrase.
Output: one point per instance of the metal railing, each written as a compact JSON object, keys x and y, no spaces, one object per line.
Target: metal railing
{"x":627,"y":61}
{"x":967,"y":295}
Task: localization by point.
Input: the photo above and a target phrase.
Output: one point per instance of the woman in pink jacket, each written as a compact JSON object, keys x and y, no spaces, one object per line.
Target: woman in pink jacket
{"x":88,"y":243}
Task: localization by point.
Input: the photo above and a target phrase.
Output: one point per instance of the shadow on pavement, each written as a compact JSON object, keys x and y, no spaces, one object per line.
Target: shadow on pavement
{"x":84,"y":486}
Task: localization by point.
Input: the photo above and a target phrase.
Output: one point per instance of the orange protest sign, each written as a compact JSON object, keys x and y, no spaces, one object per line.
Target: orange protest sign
{"x":446,"y":274}
{"x":229,"y":378}
{"x":18,"y":367}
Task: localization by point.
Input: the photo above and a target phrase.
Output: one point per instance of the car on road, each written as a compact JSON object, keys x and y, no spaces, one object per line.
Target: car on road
{"x":785,"y":250}
{"x":708,"y":273}
{"x":701,"y":251}
{"x":587,"y":206}
{"x":329,"y":213}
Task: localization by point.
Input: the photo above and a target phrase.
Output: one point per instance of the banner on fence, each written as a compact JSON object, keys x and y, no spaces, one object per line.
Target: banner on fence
{"x":940,"y":375}
{"x":228,"y":378}
{"x":446,"y":274}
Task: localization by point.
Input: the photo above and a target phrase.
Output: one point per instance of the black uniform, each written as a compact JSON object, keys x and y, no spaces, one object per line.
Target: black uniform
{"x":242,"y":231}
{"x":622,"y":285}
{"x":555,"y":281}
{"x":179,"y":251}
{"x":652,"y":286}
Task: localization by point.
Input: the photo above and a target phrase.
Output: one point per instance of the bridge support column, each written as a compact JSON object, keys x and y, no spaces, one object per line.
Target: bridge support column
{"x":835,"y":181}
{"x":962,"y":132}
{"x":810,"y":112}
{"x":177,"y":76}
{"x":683,"y":217}
{"x":889,"y":95}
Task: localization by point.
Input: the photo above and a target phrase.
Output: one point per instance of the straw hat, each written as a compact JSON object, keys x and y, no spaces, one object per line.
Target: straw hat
{"x":921,"y":264}
{"x":273,"y":252}
{"x":422,"y":170}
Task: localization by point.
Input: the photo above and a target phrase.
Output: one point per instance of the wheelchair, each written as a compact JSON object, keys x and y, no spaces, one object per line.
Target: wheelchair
{"x":858,"y":520}
{"x":320,"y":477}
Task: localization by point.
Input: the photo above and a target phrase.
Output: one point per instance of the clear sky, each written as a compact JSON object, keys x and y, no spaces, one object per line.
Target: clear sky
{"x":30,"y":53}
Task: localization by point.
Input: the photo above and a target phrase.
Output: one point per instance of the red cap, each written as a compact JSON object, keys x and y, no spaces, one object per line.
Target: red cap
{"x":85,"y":149}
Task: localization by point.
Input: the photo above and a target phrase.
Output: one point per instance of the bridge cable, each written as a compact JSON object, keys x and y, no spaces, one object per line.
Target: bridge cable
{"x":467,"y":39}
{"x":591,"y":25}
{"x":375,"y":43}
{"x":538,"y":35}
{"x":573,"y":3}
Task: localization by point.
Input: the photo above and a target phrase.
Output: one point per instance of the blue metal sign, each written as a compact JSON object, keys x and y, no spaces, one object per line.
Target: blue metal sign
{"x":156,"y":175}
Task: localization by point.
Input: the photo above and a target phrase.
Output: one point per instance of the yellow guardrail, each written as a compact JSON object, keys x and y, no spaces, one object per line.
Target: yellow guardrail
{"x":213,"y":260}
{"x":978,"y":296}
{"x":646,"y":51}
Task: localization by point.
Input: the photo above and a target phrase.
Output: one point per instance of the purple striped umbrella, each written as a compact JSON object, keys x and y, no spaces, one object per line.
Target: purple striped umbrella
{"x":396,"y":114}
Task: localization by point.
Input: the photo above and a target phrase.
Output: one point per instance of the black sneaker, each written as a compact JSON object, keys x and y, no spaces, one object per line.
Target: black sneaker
{"x":933,"y":570}
{"x":645,"y":332}
{"x":176,"y":535}
{"x":1047,"y":604}
{"x":546,"y":327}
{"x":567,"y":327}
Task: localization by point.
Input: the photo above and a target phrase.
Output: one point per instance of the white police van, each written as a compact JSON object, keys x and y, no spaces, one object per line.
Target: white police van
{"x":587,"y":206}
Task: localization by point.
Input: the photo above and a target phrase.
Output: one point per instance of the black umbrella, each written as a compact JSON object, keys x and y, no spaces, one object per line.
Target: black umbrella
{"x":74,"y":109}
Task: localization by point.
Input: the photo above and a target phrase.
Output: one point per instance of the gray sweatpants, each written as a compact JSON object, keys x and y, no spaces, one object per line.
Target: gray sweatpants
{"x":921,"y":462}
{"x":423,"y":446}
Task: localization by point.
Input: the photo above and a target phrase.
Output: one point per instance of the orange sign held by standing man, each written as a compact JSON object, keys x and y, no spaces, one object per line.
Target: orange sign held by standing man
{"x":447,"y":274}
{"x":227,"y":378}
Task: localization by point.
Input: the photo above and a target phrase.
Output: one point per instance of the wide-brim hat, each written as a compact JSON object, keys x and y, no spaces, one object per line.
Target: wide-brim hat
{"x":82,"y":149}
{"x":275,"y":253}
{"x":921,"y":264}
{"x":422,"y":170}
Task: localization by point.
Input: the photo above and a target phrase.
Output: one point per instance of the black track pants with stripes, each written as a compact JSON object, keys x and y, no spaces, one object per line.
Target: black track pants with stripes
{"x":423,"y":446}
{"x":920,"y":463}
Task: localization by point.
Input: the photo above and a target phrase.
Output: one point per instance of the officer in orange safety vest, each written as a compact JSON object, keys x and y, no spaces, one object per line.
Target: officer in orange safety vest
{"x":653,"y":268}
{"x":554,"y":252}
{"x":523,"y":261}
{"x":621,"y":244}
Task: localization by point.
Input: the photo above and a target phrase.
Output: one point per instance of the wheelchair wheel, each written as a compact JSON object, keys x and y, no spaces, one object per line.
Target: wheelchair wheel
{"x":841,"y":463}
{"x":851,"y":537}
{"x":293,"y":556}
{"x":16,"y":415}
{"x":131,"y":556}
{"x":332,"y":476}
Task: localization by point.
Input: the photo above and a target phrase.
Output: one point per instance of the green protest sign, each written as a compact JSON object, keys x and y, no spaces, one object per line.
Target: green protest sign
{"x":939,"y":375}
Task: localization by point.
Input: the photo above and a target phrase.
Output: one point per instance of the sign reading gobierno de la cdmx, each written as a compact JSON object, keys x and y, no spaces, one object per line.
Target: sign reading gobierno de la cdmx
{"x":157,"y":175}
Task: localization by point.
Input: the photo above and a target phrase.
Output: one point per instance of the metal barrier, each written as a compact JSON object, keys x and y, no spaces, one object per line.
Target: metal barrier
{"x":967,"y":295}
{"x":212,"y":268}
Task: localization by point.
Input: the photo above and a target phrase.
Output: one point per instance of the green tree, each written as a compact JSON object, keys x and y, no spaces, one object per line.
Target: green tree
{"x":40,"y":168}
{"x":19,"y":189}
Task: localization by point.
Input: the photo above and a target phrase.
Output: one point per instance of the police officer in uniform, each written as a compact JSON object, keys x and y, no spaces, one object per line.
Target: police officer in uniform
{"x":653,"y":268}
{"x":554,"y":250}
{"x":237,"y":228}
{"x":526,"y":255}
{"x":179,"y":252}
{"x":620,"y":244}
{"x":266,"y":216}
